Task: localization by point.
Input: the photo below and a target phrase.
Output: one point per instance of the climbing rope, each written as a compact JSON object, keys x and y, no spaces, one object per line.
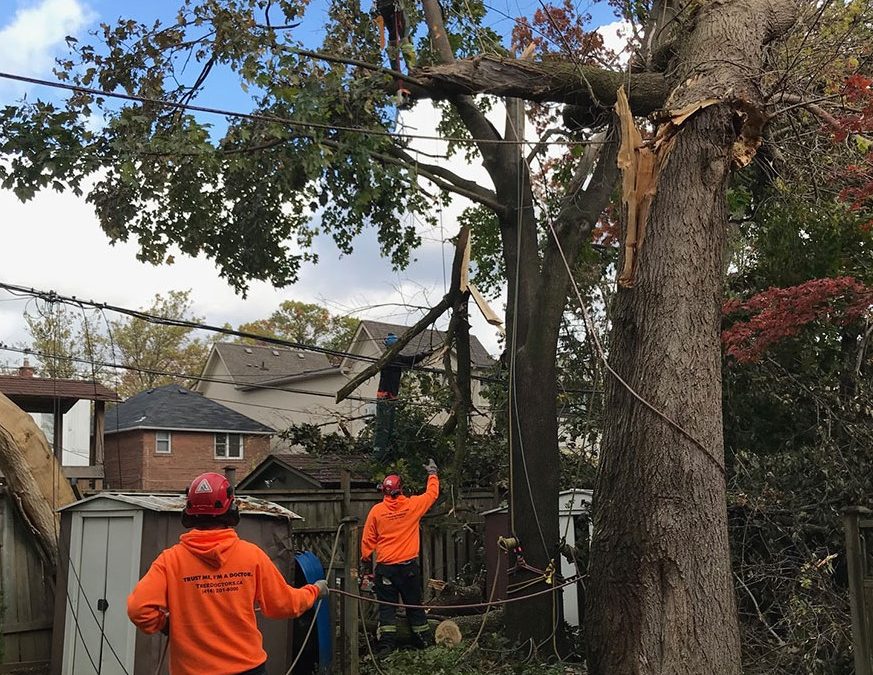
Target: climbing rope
{"x":472,"y":605}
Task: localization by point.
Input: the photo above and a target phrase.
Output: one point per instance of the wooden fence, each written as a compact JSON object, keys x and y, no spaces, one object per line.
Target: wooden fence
{"x":27,"y":600}
{"x":451,"y":547}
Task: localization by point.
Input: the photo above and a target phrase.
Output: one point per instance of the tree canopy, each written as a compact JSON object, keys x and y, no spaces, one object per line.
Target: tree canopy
{"x":739,"y":97}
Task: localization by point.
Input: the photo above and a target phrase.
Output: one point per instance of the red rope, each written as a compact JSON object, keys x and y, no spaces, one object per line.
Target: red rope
{"x":474,"y":605}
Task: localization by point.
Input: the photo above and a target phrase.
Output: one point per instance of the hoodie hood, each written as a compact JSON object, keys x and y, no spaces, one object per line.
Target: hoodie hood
{"x":395,"y":503}
{"x":211,"y":546}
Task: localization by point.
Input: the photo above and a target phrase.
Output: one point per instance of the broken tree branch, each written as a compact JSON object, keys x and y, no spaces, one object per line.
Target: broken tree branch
{"x":33,"y":476}
{"x":553,"y":81}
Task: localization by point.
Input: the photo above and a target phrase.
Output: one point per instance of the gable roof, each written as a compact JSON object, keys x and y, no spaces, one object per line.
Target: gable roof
{"x":251,"y":366}
{"x":176,"y":408}
{"x":427,"y":340}
{"x":320,"y":470}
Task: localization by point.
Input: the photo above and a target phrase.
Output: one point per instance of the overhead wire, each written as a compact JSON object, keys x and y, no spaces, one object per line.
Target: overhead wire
{"x":224,"y":330}
{"x":264,"y":117}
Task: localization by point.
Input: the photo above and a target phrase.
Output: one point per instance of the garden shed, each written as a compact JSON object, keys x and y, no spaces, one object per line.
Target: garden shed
{"x":108,"y":541}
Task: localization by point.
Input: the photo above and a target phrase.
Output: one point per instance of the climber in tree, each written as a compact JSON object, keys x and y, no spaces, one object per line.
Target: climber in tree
{"x":392,"y":17}
{"x":386,"y":395}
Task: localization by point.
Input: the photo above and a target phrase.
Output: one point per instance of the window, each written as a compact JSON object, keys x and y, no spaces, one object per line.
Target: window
{"x":228,"y":446}
{"x":163,"y":443}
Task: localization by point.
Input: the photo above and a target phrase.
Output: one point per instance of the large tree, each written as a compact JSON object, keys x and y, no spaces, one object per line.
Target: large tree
{"x":154,"y":354}
{"x":305,"y":323}
{"x":660,"y":595}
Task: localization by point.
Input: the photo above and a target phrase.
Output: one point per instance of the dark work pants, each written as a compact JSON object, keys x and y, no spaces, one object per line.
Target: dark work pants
{"x":383,"y":435}
{"x":393,"y":583}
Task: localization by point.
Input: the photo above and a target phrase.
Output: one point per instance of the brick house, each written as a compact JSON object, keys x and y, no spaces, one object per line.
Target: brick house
{"x":159,"y":439}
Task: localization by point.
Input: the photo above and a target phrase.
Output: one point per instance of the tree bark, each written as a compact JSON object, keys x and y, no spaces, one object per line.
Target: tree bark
{"x":555,"y":81}
{"x":34,"y":478}
{"x":660,"y":597}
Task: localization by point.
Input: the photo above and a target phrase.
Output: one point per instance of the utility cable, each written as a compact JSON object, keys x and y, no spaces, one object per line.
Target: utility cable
{"x":223,"y":330}
{"x":263,"y":117}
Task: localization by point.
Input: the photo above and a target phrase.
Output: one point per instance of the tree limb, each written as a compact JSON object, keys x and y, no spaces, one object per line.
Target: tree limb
{"x":374,"y":368}
{"x":484,"y":195}
{"x":474,"y":119}
{"x":542,"y":81}
{"x":435,"y":312}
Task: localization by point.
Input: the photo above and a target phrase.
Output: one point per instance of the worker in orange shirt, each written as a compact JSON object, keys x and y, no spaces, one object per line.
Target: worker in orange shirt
{"x":202,"y":592}
{"x":391,"y":532}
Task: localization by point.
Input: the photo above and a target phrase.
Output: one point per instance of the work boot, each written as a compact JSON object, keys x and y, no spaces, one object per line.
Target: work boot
{"x":423,"y":639}
{"x":383,"y":648}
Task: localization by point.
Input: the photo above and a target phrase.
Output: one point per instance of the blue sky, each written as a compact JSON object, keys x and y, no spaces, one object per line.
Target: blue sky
{"x":54,"y":241}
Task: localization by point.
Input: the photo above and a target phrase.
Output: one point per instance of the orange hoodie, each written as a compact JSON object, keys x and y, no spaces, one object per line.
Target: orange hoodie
{"x":392,"y":526}
{"x":209,"y":584}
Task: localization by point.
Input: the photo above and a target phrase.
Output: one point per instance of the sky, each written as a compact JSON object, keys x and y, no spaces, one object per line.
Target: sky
{"x":54,"y":241}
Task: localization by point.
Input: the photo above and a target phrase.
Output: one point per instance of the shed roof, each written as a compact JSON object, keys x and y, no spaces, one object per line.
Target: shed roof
{"x":174,"y":503}
{"x":176,"y":408}
{"x":321,"y":469}
{"x":30,"y":392}
{"x":427,"y":340}
{"x":251,"y":366}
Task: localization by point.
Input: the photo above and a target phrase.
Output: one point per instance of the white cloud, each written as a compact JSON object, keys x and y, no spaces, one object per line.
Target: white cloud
{"x":55,"y":242}
{"x":616,"y":37}
{"x":31,"y":40}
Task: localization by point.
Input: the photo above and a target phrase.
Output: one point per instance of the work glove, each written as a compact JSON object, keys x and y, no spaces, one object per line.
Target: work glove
{"x":366,"y":567}
{"x":366,"y":583}
{"x":321,"y":585}
{"x":431,"y":467}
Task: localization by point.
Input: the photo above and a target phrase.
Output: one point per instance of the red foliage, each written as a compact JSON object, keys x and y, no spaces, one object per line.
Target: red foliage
{"x":858,"y":93}
{"x":559,"y":30}
{"x":779,"y":313}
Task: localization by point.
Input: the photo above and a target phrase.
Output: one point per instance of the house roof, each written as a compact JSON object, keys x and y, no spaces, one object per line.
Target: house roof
{"x":176,"y":502}
{"x":251,"y":366}
{"x":427,"y":340}
{"x":322,"y":469}
{"x":14,"y":385}
{"x":176,"y":408}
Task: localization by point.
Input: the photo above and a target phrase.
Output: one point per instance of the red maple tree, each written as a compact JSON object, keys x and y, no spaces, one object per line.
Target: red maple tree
{"x":776,"y":314}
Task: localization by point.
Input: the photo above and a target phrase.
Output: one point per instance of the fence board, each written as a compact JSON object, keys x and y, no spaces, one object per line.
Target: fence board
{"x":28,"y":600}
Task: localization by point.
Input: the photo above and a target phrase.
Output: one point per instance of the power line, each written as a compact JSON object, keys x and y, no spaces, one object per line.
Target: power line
{"x":264,"y":117}
{"x":52,"y":296}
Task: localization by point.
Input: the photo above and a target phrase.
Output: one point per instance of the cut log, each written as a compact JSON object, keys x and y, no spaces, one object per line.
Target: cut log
{"x":34,"y":478}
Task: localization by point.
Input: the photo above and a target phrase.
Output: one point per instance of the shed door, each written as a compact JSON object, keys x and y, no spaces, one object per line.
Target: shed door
{"x":104,"y":566}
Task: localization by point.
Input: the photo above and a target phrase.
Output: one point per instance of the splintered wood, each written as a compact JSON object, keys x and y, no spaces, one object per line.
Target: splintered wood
{"x":33,"y":476}
{"x":639,"y":173}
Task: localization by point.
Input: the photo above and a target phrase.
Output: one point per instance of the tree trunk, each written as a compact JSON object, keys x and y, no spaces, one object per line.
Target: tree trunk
{"x":534,"y":480}
{"x":660,"y":597}
{"x":34,"y":478}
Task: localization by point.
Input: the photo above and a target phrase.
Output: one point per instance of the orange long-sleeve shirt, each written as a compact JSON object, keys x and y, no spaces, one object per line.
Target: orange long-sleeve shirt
{"x":391,"y":529}
{"x":209,"y":584}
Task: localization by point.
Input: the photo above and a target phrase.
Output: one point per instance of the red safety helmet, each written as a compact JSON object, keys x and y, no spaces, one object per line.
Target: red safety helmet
{"x":210,"y":495}
{"x":392,"y":485}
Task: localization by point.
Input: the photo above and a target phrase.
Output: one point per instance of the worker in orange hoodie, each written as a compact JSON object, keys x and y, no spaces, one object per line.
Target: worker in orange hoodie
{"x":203,"y":591}
{"x":391,"y":532}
